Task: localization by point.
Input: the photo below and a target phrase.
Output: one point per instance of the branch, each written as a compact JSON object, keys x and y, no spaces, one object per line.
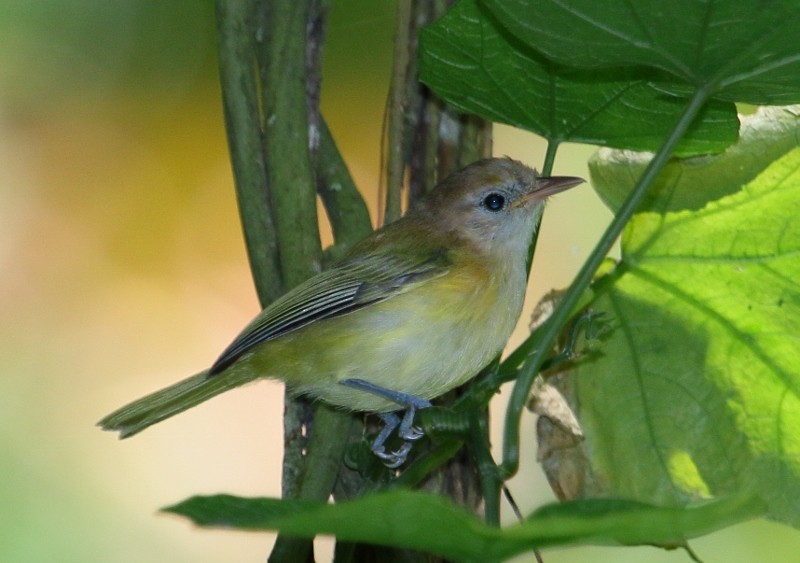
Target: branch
{"x":236,"y":45}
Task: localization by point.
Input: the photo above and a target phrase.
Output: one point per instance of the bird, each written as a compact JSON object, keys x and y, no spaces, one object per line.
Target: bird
{"x":414,"y":310}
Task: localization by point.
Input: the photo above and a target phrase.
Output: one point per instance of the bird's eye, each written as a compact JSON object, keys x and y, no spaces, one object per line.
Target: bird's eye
{"x":494,"y":202}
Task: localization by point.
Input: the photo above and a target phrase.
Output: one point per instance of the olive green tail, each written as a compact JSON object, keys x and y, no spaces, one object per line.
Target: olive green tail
{"x":153,"y":408}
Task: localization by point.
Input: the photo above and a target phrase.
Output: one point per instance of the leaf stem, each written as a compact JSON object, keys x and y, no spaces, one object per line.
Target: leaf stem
{"x":552,"y":327}
{"x":487,"y":468}
{"x":549,"y":157}
{"x":547,"y":168}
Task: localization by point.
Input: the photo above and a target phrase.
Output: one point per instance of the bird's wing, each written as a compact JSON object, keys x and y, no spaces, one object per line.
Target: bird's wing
{"x":350,"y":286}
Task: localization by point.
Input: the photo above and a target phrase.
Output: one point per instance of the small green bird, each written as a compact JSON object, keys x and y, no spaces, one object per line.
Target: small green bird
{"x":415,"y":309}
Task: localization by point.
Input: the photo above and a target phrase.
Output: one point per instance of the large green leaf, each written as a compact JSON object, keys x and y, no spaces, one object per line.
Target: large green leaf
{"x":697,"y":390}
{"x":480,"y":69}
{"x":433,"y":524}
{"x":690,"y":183}
{"x":744,"y":49}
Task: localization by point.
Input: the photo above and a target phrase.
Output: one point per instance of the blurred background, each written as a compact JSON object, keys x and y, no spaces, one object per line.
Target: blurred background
{"x":123,"y":270}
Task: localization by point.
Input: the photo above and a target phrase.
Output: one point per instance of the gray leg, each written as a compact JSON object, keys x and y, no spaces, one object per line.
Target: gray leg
{"x":395,"y":459}
{"x":403,"y":399}
{"x":407,"y":431}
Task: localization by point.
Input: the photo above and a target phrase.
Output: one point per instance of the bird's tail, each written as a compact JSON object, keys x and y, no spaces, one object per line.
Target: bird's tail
{"x":153,"y":408}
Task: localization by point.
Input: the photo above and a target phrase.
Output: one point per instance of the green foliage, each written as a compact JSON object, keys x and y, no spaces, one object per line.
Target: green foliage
{"x":433,"y":524}
{"x":468,"y":59}
{"x":701,"y":369}
{"x":695,"y":393}
{"x":739,"y":47}
{"x":690,"y":183}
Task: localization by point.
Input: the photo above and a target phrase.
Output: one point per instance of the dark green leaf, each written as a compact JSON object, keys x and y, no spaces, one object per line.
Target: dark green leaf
{"x":467,"y":60}
{"x":742,"y":48}
{"x":692,"y":182}
{"x":431,"y":523}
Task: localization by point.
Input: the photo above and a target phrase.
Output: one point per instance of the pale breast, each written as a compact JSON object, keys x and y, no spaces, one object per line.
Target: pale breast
{"x":423,"y":342}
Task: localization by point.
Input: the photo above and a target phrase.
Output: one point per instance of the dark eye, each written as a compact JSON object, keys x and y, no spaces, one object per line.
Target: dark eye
{"x":494,"y":202}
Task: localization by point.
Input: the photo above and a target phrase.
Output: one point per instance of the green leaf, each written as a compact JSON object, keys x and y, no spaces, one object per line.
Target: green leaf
{"x":740,"y":47}
{"x":430,"y":523}
{"x":480,"y":69}
{"x":692,"y":182}
{"x":697,"y":391}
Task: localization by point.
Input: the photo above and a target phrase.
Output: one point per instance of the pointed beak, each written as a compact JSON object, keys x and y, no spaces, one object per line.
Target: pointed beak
{"x":551,"y":185}
{"x":545,"y":186}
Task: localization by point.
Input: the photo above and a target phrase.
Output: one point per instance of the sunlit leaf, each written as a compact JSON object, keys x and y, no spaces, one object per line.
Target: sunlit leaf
{"x":697,"y":391}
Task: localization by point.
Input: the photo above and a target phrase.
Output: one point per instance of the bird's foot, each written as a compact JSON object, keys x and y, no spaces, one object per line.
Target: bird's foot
{"x":395,"y":459}
{"x":405,"y":427}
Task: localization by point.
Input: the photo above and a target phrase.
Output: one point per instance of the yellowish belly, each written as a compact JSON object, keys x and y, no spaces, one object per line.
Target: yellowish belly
{"x":423,"y":342}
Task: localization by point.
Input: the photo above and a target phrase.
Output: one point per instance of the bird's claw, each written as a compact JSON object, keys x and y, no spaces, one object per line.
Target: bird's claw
{"x":412,"y":434}
{"x":391,"y":422}
{"x":395,"y":459}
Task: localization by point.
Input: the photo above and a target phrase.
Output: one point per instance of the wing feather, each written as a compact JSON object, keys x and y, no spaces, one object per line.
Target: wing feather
{"x":353,"y":285}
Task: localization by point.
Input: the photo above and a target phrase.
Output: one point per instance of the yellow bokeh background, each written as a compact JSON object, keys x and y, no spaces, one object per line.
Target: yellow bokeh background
{"x":123,"y":269}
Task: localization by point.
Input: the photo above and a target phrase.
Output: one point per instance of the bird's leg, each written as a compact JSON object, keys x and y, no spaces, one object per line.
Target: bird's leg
{"x":392,"y":459}
{"x":406,"y":431}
